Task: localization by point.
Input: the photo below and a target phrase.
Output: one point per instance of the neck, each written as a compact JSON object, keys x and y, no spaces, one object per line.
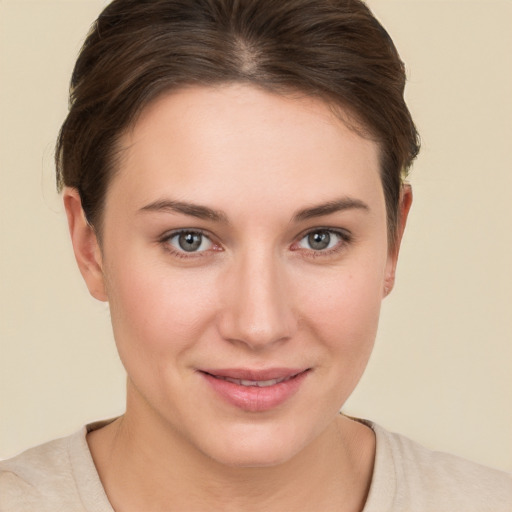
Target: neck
{"x":144,"y":465}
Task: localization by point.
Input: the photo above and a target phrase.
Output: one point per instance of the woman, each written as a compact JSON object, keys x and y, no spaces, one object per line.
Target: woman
{"x":232,"y":174}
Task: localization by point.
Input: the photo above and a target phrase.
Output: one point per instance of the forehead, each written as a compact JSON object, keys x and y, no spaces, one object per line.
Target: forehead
{"x":202,"y":141}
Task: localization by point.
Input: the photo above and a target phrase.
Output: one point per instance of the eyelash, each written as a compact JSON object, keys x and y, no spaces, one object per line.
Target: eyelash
{"x":345,"y":239}
{"x":166,"y":239}
{"x":344,"y":236}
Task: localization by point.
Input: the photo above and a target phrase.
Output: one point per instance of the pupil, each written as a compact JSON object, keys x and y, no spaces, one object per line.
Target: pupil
{"x":319,"y":240}
{"x":190,"y":241}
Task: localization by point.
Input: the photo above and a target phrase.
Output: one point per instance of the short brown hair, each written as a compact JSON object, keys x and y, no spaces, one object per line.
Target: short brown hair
{"x":138,"y":49}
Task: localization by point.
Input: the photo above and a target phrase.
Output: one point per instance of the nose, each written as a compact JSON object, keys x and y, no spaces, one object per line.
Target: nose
{"x":257,"y":308}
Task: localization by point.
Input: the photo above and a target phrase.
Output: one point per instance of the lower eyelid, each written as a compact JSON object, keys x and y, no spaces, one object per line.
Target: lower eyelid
{"x":345,"y":239}
{"x":165,"y":241}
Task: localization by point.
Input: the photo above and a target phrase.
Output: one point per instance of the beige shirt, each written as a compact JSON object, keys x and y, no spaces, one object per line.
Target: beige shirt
{"x":60,"y":476}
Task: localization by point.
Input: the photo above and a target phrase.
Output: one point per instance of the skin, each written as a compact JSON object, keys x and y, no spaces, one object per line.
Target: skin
{"x":256,"y":295}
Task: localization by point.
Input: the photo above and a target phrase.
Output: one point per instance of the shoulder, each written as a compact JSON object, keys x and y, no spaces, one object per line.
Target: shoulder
{"x":414,"y":478}
{"x":31,"y":478}
{"x":51,"y":477}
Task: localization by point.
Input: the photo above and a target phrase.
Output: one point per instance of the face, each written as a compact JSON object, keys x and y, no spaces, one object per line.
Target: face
{"x":244,"y":256}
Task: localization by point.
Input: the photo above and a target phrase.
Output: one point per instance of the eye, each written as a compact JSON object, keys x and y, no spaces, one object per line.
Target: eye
{"x":322,"y":240}
{"x":189,"y":241}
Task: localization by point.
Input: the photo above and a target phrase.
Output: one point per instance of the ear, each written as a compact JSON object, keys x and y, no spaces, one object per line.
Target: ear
{"x":85,"y":244}
{"x":403,"y":212}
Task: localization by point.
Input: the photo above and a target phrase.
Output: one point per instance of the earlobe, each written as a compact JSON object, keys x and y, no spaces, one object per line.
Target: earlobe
{"x":403,"y":213}
{"x":85,"y":245}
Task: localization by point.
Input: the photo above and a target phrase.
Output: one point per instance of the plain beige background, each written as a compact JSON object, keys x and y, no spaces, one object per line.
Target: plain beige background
{"x":441,"y":370}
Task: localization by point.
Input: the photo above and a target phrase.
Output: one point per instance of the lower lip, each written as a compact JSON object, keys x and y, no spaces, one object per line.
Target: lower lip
{"x":253,"y":398}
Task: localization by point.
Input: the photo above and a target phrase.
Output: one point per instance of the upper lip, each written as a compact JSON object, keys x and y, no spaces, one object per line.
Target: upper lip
{"x":253,"y":374}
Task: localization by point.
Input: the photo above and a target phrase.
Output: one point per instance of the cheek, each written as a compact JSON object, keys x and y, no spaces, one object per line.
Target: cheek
{"x":343,"y":311}
{"x":348,"y":298}
{"x":155,"y":309}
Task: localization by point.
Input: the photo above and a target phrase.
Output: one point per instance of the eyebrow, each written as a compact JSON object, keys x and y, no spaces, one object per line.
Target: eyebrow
{"x":344,"y":203}
{"x":194,"y":210}
{"x":206,"y":213}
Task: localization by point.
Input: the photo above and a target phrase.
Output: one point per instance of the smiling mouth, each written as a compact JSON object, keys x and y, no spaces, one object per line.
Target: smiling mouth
{"x":256,"y":391}
{"x":255,"y":383}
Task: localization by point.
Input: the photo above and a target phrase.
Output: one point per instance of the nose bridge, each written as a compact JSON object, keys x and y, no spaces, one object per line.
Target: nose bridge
{"x":258,"y":311}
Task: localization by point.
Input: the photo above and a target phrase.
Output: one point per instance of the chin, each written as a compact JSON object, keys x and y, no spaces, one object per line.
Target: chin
{"x":257,"y":446}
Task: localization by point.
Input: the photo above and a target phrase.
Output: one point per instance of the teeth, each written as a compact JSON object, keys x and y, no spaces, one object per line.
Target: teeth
{"x":255,"y":383}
